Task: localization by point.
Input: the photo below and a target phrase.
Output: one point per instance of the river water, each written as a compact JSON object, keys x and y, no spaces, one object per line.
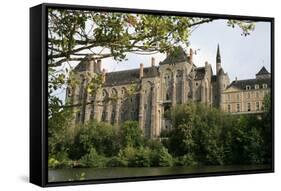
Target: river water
{"x":61,"y":175}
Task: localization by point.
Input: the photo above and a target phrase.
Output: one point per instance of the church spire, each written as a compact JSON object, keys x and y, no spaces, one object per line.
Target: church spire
{"x":218,"y":54}
{"x":218,"y":60}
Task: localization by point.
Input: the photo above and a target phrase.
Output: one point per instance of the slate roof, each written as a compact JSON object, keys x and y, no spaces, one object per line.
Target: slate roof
{"x":241,"y":84}
{"x":82,"y":66}
{"x":199,"y":73}
{"x":177,"y":56}
{"x":122,"y":77}
{"x":129,"y":76}
{"x":262,"y":71}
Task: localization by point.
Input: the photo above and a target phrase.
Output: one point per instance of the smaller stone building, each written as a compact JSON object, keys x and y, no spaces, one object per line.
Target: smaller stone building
{"x":246,"y":96}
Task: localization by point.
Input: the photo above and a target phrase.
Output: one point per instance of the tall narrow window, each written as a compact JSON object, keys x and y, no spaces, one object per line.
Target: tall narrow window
{"x":228,"y":108}
{"x":249,"y":107}
{"x":238,"y":107}
{"x":257,"y":106}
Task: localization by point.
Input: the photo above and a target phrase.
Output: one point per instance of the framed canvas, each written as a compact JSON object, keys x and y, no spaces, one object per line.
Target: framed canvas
{"x":121,"y":95}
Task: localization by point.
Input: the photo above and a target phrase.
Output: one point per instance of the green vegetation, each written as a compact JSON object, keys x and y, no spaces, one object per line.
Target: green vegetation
{"x":206,"y":136}
{"x":201,"y":135}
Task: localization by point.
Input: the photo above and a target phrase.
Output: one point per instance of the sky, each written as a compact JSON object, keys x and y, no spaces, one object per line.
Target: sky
{"x":241,"y":56}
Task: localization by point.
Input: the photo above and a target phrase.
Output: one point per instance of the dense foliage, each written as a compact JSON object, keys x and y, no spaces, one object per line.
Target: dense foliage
{"x":206,"y":136}
{"x":201,"y":135}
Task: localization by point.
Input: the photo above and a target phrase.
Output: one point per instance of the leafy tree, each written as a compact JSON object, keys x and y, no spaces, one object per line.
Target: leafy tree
{"x":164,"y":157}
{"x":142,"y":157}
{"x":267,"y":127}
{"x":101,"y":136}
{"x":207,"y":136}
{"x":58,"y":135}
{"x":131,"y":134}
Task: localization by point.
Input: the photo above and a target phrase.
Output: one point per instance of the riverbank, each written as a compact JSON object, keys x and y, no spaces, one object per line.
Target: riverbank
{"x":72,"y":174}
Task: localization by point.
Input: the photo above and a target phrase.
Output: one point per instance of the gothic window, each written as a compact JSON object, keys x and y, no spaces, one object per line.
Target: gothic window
{"x":167,"y":96}
{"x":257,"y":106}
{"x":248,"y":95}
{"x":92,"y":114}
{"x":249,"y":107}
{"x":112,"y":116}
{"x":81,"y":92}
{"x":179,"y":85}
{"x":168,"y":85}
{"x":238,"y":107}
{"x":103,"y":117}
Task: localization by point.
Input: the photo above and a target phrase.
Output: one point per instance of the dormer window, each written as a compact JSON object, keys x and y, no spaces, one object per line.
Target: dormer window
{"x":264,"y":86}
{"x":248,"y":87}
{"x":257,"y":86}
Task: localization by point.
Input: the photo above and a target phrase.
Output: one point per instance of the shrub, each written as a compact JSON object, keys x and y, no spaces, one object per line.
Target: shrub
{"x":59,"y":160}
{"x":142,"y":157}
{"x":93,"y":159}
{"x":116,"y":162}
{"x":53,"y":163}
{"x":128,"y":154}
{"x":187,"y":160}
{"x":165,"y":159}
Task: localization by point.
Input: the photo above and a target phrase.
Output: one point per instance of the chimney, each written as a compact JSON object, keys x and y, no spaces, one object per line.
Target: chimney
{"x":152,"y":61}
{"x":206,"y":64}
{"x":98,"y":66}
{"x":141,"y":70}
{"x":190,"y":56}
{"x":236,"y":79}
{"x":103,"y":76}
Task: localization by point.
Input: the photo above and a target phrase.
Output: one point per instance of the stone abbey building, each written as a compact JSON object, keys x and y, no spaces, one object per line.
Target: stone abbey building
{"x":174,"y":81}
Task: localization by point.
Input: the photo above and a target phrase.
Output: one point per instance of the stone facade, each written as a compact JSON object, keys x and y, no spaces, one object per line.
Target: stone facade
{"x":157,"y":88}
{"x":246,"y":96}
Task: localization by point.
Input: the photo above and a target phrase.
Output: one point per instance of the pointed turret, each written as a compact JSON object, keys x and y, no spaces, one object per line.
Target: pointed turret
{"x":218,"y":60}
{"x":218,"y":54}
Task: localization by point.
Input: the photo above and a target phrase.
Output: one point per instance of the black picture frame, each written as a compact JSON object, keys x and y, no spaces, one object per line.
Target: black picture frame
{"x":39,"y":104}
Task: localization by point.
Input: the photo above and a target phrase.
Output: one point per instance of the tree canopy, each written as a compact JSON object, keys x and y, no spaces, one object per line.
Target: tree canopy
{"x":74,"y":34}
